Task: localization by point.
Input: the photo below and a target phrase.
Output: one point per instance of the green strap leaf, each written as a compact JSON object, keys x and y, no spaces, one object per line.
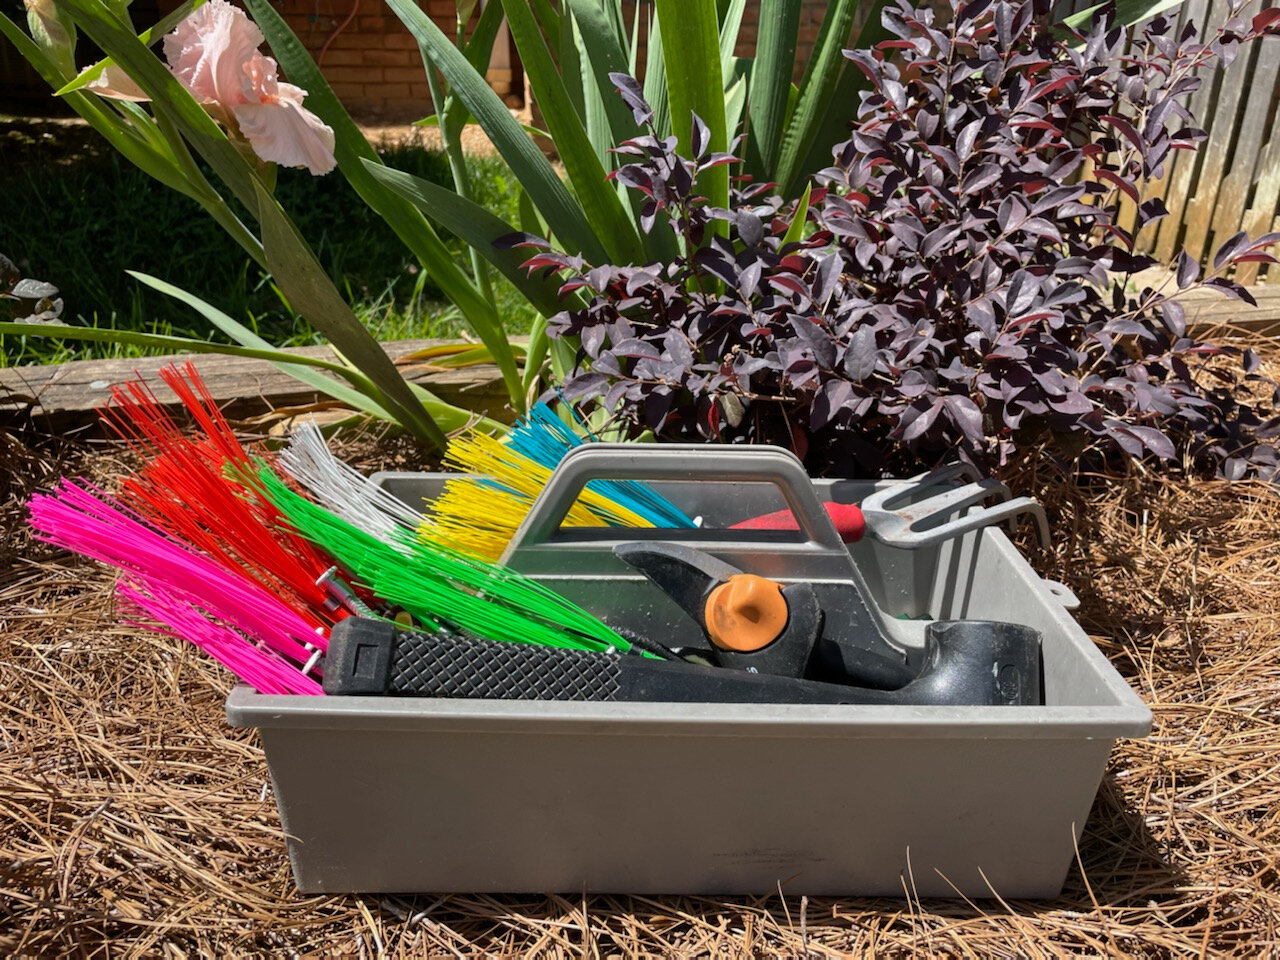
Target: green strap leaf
{"x":563,"y":213}
{"x":301,"y":368}
{"x":477,"y":227}
{"x":599,"y":200}
{"x":354,"y":154}
{"x":818,"y":92}
{"x":655,"y":77}
{"x":566,"y":54}
{"x":89,"y":74}
{"x":833,"y":127}
{"x":59,"y":331}
{"x":795,"y":232}
{"x":1128,"y":12}
{"x":605,"y":55}
{"x":537,"y":355}
{"x":548,"y":17}
{"x":595,"y":118}
{"x":770,"y":83}
{"x":730,"y":27}
{"x":454,"y":111}
{"x":168,"y":96}
{"x":691,"y":51}
{"x":478,"y":51}
{"x":735,"y":95}
{"x":452,"y":418}
{"x":313,"y":295}
{"x":244,"y":336}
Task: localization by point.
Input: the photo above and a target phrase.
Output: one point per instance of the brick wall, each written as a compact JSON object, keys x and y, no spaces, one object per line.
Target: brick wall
{"x":368,"y":57}
{"x":372,"y":61}
{"x":811,"y":14}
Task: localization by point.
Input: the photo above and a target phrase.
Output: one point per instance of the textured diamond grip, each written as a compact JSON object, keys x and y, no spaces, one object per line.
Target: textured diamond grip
{"x":438,"y":665}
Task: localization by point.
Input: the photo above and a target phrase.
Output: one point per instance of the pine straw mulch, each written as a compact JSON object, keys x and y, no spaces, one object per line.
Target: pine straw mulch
{"x":134,"y":821}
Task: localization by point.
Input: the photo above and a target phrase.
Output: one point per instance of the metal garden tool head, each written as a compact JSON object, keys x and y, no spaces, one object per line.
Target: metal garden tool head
{"x":915,"y":512}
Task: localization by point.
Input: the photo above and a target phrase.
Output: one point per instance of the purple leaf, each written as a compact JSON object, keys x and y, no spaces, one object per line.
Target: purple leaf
{"x":965,"y":414}
{"x":593,"y":340}
{"x":750,"y":228}
{"x":633,"y":95}
{"x":1235,"y":245}
{"x":1023,"y":292}
{"x":917,"y":425}
{"x":967,"y":138}
{"x":1231,"y":289}
{"x":860,"y":356}
{"x":1188,"y":270}
{"x":1136,"y":439}
{"x":700,"y":138}
{"x":1072,"y":403}
{"x":1127,"y":131}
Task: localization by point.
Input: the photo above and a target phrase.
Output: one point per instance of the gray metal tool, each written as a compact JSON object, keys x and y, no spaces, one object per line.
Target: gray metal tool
{"x":931,"y":508}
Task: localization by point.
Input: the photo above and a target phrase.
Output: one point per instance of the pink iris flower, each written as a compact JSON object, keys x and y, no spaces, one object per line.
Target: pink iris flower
{"x":214,"y":53}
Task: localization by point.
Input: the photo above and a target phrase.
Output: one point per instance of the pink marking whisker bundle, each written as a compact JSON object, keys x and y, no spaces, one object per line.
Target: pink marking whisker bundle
{"x":194,"y":596}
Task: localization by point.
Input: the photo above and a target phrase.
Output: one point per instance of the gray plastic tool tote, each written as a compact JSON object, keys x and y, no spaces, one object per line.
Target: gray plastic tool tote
{"x":420,"y":795}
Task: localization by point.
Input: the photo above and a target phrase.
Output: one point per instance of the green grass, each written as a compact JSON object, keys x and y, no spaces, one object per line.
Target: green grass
{"x":76,"y":215}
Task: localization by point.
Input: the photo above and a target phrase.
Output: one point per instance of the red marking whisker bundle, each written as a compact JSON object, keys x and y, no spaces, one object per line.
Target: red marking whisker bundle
{"x":192,"y":488}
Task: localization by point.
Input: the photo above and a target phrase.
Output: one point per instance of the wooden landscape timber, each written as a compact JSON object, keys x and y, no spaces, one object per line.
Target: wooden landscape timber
{"x":1210,"y":310}
{"x":66,"y":396}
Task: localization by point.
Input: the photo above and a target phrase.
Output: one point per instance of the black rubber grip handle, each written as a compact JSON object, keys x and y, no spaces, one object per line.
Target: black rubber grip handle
{"x":374,"y":657}
{"x":967,"y":662}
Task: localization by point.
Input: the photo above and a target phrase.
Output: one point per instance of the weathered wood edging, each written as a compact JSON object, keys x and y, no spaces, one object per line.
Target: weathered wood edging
{"x":65,"y":396}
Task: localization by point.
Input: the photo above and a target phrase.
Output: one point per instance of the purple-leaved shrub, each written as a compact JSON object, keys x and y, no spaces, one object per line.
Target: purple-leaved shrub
{"x":958,"y":280}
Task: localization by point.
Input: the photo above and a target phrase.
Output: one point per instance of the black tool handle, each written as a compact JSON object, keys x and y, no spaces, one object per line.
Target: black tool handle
{"x":374,"y":657}
{"x":967,"y":662}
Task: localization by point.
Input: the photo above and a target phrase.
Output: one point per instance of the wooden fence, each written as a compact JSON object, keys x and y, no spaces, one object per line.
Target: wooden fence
{"x":1232,"y":181}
